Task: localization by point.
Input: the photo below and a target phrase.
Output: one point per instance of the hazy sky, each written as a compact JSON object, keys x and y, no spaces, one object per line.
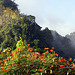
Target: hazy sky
{"x":57,"y":15}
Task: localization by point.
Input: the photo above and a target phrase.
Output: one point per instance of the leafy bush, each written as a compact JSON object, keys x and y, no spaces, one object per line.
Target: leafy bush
{"x":26,"y":60}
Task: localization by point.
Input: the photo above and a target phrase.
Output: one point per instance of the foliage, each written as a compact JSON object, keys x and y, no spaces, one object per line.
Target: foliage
{"x":13,"y":24}
{"x":9,"y":3}
{"x":26,"y":60}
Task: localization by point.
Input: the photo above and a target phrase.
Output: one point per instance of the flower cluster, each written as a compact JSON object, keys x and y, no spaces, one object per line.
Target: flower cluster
{"x":26,"y":60}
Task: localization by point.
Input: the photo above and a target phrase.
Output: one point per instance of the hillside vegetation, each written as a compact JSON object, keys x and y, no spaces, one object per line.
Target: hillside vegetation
{"x":25,"y":49}
{"x":25,"y":60}
{"x":13,"y":24}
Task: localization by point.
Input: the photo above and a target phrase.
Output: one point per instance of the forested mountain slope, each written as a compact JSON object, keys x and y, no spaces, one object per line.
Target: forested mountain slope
{"x":13,"y":24}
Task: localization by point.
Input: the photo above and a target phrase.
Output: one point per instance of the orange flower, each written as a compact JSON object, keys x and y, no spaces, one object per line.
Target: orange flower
{"x":0,"y":62}
{"x":51,"y":54}
{"x":73,"y":65}
{"x":2,"y":67}
{"x":7,"y":69}
{"x":46,"y":52}
{"x":30,"y":50}
{"x":13,"y":52}
{"x":39,"y":57}
{"x":35,"y":49}
{"x":51,"y":50}
{"x":28,"y":44}
{"x":54,"y":52}
{"x":12,"y":64}
{"x":18,"y":47}
{"x":70,"y":59}
{"x":3,"y":70}
{"x":65,"y":60}
{"x":46,"y":48}
{"x":44,"y":59}
{"x":28,"y":55}
{"x":43,"y":53}
{"x":61,"y":57}
{"x":40,"y":70}
{"x":54,"y":63}
{"x":14,"y":59}
{"x":65,"y":64}
{"x":52,"y":66}
{"x":61,"y":65}
{"x":26,"y":65}
{"x":72,"y":68}
{"x":74,"y":59}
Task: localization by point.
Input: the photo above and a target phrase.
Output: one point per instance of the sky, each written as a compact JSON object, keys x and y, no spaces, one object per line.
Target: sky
{"x":57,"y":15}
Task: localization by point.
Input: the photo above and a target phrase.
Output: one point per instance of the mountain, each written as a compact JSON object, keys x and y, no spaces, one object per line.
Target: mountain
{"x":64,"y":44}
{"x":13,"y":24}
{"x":72,"y":38}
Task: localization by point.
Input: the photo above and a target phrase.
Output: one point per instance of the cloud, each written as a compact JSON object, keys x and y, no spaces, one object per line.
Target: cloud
{"x":48,"y":14}
{"x":54,"y":20}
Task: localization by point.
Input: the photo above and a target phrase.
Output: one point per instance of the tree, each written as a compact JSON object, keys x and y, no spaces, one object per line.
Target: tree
{"x":10,"y":4}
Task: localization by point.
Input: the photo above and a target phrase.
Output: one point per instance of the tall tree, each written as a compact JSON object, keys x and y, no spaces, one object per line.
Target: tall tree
{"x":10,"y":4}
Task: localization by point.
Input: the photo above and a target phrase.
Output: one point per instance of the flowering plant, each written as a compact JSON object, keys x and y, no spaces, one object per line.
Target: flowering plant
{"x":26,"y":60}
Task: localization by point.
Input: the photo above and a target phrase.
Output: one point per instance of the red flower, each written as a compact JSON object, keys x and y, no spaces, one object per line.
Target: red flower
{"x":36,"y":67}
{"x":14,"y":59}
{"x":65,"y":64}
{"x":16,"y":69}
{"x":7,"y":69}
{"x":56,"y":54}
{"x":17,"y":64}
{"x":3,"y":70}
{"x":44,"y":59}
{"x":28,"y":44}
{"x":71,"y":65}
{"x":61,"y":65}
{"x":55,"y":69}
{"x":68,"y":71}
{"x":34,"y":58}
{"x":72,"y":68}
